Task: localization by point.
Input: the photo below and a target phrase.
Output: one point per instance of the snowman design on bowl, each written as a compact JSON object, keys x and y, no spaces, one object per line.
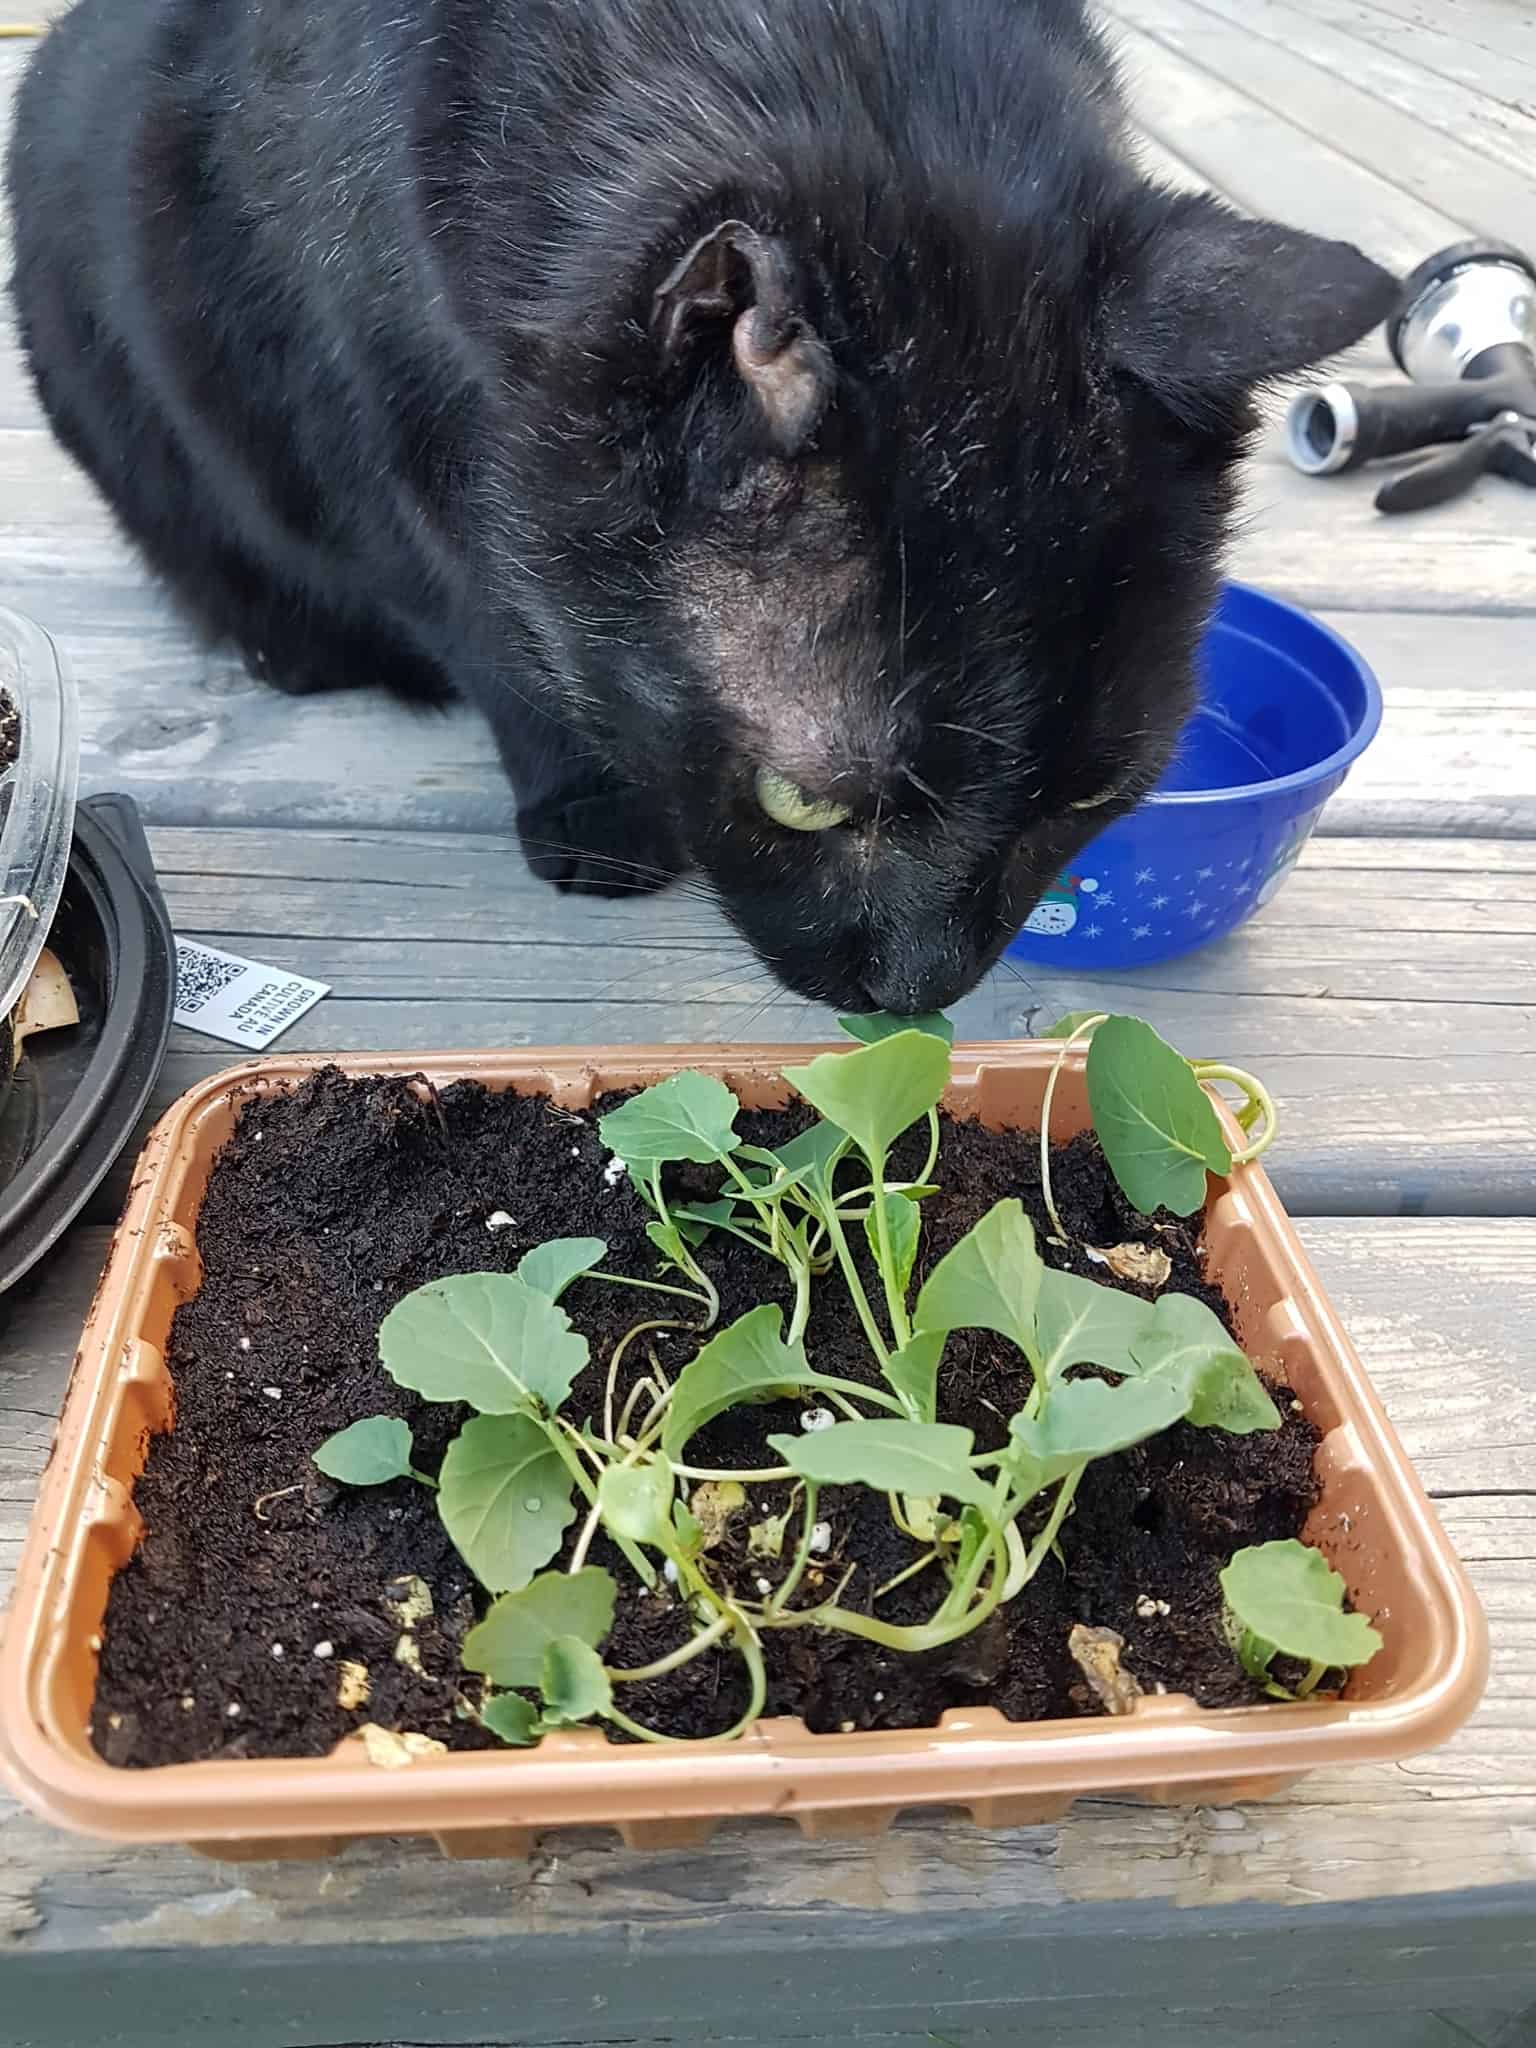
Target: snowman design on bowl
{"x":1056,"y":912}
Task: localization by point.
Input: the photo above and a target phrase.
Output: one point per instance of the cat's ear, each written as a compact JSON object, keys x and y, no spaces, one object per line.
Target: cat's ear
{"x":1217,"y":304}
{"x":737,"y":281}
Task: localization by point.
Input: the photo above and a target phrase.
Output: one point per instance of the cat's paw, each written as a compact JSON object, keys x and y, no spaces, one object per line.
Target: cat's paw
{"x":603,"y":841}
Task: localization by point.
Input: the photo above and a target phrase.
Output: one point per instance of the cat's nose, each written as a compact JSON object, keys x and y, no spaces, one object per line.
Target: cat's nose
{"x":908,"y":991}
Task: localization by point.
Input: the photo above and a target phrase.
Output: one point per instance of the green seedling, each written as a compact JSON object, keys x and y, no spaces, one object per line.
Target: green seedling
{"x":370,"y":1453}
{"x":1285,"y":1599}
{"x":520,"y":1472}
{"x":1152,"y":1114}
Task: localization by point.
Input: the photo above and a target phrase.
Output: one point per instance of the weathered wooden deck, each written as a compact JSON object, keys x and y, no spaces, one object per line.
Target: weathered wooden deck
{"x":1389,"y":995}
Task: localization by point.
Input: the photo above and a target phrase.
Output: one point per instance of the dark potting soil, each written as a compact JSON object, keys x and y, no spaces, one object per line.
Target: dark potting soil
{"x":10,"y":732}
{"x":258,"y":1580}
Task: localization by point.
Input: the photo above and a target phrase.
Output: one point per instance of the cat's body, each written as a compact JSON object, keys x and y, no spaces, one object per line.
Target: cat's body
{"x":794,"y":423}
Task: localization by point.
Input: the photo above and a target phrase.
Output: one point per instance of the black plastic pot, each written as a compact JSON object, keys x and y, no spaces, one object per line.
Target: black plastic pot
{"x":76,"y":1095}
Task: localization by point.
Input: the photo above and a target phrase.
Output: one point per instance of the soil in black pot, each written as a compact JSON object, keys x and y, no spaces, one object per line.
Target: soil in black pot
{"x":263,"y":1595}
{"x":10,"y":732}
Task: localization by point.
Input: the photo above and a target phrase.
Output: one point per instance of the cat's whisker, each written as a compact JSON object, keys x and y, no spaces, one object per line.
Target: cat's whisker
{"x":975,"y":732}
{"x":910,"y":774}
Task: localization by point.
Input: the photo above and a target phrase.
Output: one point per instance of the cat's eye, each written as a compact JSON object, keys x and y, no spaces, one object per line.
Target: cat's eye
{"x":794,"y":808}
{"x":1106,"y":795}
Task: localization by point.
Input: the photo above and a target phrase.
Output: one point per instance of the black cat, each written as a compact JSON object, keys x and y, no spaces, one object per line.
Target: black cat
{"x":796,"y":424}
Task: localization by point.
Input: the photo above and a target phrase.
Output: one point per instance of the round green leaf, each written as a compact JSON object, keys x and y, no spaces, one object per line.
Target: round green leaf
{"x":689,"y":1116}
{"x":511,"y":1717}
{"x":905,"y":1223}
{"x":1187,"y":1342}
{"x":1064,"y":1027}
{"x":1087,"y":1419}
{"x":1158,"y":1127}
{"x":990,"y":1280}
{"x":509,"y":1645}
{"x":636,"y":1501}
{"x":486,"y":1338}
{"x":876,"y":1093}
{"x":870,"y":1030}
{"x":575,"y":1684}
{"x":1289,"y":1595}
{"x":927,"y":1459}
{"x":746,"y":1361}
{"x":367,"y":1453}
{"x":813,"y":1154}
{"x":1081,"y":1322}
{"x":551,"y":1267}
{"x":913,"y":1373}
{"x":505,"y":1498}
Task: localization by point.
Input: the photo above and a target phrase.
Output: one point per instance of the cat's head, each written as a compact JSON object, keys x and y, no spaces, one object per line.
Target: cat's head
{"x":893,"y":567}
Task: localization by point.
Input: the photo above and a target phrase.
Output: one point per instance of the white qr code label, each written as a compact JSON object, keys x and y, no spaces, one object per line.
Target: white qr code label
{"x":238,"y":1000}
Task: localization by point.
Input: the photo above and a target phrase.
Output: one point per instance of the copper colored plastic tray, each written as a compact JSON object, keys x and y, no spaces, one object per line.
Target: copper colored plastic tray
{"x":1373,"y":1522}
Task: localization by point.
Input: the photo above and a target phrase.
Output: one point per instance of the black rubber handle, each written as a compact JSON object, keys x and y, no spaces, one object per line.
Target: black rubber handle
{"x":1436,"y":481}
{"x":1395,"y":421}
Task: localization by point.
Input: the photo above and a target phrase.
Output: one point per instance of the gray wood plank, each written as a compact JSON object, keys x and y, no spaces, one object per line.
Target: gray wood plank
{"x":196,"y":742}
{"x":1269,"y":163}
{"x":1456,"y":752}
{"x":1341,"y":118}
{"x":1320,"y":542}
{"x":787,"y":1987}
{"x":1463,"y":2029}
{"x":1435,"y":1308}
{"x":1488,"y":46}
{"x":1335,"y":34}
{"x":1386,"y":994}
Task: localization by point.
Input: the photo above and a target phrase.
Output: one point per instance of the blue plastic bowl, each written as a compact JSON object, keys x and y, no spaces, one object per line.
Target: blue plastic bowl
{"x":1286,"y":707}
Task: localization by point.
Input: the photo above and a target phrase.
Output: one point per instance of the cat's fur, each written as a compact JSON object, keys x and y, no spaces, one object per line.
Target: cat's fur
{"x":697,"y":386}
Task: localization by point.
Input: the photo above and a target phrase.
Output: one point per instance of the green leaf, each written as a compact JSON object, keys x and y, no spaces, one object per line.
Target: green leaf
{"x":870,"y":1030}
{"x":1080,"y":1322}
{"x":904,"y":1221}
{"x":1289,"y":1595}
{"x":990,"y":1280}
{"x":551,"y":1267}
{"x":690,"y":1530}
{"x":771,"y":1186}
{"x":1157,"y":1125}
{"x":486,"y":1338}
{"x":705,"y":1216}
{"x":746,"y":1361}
{"x":913,"y":1373}
{"x":671,"y":1239}
{"x":815,"y":1151}
{"x":505,"y":1498}
{"x":575,"y":1685}
{"x":509,"y":1645}
{"x":510,"y":1716}
{"x":1253,"y":1653}
{"x":636,"y":1501}
{"x":923,"y":1458}
{"x":876,"y":1093}
{"x":1087,"y":1419}
{"x":688,"y":1116}
{"x":1064,"y":1027}
{"x":974,"y":1532}
{"x":1188,"y":1342}
{"x":367,"y":1453}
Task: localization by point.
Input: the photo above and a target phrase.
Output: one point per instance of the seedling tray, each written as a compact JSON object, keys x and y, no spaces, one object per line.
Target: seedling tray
{"x":1373,"y":1523}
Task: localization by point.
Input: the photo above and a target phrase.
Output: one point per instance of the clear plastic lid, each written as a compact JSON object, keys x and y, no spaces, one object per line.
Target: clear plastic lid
{"x":37,"y":799}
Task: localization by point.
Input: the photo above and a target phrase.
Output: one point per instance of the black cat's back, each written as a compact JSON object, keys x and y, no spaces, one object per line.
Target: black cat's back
{"x":212,"y":284}
{"x":271,"y":258}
